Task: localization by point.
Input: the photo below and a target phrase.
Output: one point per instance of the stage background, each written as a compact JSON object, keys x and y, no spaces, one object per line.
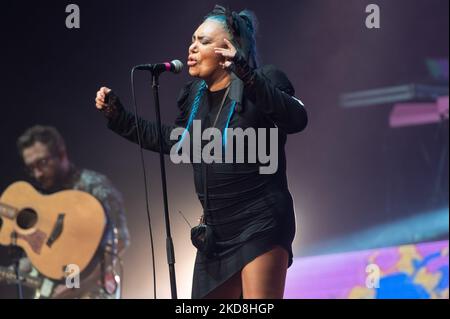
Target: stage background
{"x":348,"y":172}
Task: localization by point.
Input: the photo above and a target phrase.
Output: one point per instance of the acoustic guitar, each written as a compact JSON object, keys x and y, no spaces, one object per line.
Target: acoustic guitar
{"x":57,"y":230}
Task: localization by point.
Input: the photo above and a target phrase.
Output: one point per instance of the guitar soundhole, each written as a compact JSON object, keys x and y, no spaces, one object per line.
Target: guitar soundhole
{"x":27,"y":218}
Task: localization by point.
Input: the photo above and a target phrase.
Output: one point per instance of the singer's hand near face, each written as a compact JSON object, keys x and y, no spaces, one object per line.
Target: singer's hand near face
{"x":228,"y":53}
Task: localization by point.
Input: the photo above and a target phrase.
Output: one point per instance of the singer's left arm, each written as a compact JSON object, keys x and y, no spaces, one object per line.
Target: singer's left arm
{"x":272,"y":93}
{"x":269,"y":89}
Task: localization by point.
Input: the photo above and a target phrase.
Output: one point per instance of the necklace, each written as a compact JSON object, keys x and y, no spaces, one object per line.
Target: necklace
{"x":221,"y":105}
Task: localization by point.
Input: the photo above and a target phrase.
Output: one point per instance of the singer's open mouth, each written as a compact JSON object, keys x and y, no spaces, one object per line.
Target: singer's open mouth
{"x":191,"y":61}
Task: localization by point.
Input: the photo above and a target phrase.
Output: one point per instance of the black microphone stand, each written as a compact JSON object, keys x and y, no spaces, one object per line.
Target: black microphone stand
{"x":169,"y":243}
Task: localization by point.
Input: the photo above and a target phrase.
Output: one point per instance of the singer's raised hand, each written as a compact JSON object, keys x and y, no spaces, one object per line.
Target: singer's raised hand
{"x":100,"y":99}
{"x":228,"y":53}
{"x":108,"y":103}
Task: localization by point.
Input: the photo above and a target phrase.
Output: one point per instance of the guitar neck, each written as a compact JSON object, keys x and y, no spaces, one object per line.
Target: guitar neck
{"x":7,"y":211}
{"x":9,"y":276}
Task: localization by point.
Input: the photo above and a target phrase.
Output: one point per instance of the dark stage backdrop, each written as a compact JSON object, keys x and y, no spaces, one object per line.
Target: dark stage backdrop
{"x":348,"y":171}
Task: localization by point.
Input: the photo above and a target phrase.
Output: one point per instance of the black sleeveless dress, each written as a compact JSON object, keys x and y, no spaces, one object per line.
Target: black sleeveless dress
{"x":249,"y":212}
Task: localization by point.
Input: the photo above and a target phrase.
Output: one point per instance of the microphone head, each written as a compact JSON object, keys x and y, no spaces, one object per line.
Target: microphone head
{"x":177,"y":66}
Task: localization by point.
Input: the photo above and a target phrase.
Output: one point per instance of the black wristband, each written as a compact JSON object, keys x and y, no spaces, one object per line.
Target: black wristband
{"x":242,"y":69}
{"x":113,"y":106}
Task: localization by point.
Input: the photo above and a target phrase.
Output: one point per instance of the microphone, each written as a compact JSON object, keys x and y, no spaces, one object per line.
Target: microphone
{"x":175,"y":67}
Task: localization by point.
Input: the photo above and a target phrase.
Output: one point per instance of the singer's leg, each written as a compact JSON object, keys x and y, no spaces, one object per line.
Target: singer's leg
{"x":264,"y":277}
{"x":230,"y":289}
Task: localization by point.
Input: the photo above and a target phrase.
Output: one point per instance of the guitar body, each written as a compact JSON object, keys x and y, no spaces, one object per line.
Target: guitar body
{"x":54,"y":230}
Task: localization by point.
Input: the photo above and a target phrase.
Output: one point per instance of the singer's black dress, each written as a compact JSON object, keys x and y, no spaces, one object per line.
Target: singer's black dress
{"x":249,"y":212}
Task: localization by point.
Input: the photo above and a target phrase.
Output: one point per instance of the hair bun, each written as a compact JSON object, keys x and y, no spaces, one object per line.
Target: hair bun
{"x":248,"y":20}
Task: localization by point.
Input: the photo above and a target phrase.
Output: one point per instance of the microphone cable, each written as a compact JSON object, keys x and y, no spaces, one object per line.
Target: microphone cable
{"x":138,"y":132}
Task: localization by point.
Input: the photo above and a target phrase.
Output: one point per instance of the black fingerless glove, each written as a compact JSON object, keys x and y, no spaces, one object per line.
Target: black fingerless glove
{"x":113,"y":106}
{"x":242,"y":69}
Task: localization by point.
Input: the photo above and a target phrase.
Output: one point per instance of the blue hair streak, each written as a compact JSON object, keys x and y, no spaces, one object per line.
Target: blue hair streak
{"x":230,"y":115}
{"x":194,"y":110}
{"x":195,"y":106}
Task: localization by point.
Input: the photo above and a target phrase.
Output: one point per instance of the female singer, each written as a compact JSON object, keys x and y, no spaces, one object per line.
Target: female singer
{"x":249,"y":216}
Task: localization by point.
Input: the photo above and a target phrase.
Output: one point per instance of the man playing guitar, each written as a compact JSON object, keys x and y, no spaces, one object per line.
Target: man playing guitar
{"x":45,"y":157}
